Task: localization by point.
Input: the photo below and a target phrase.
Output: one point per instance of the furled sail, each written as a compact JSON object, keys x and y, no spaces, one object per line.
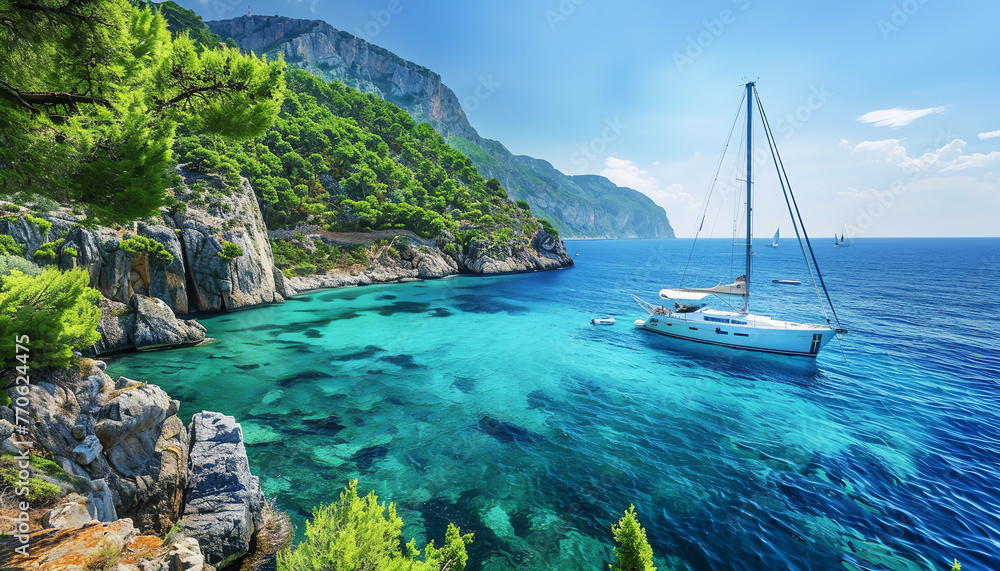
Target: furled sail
{"x":738,"y":287}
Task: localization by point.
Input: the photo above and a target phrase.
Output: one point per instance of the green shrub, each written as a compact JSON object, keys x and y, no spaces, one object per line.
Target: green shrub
{"x":10,"y":264}
{"x":57,"y":308}
{"x":37,"y":488}
{"x":449,"y":249}
{"x":523,"y":205}
{"x":8,"y":247}
{"x":43,"y":225}
{"x":359,"y":533}
{"x":144,"y":245}
{"x":230,"y":251}
{"x":4,"y":398}
{"x":48,"y":251}
{"x":634,"y":553}
{"x":548,"y":227}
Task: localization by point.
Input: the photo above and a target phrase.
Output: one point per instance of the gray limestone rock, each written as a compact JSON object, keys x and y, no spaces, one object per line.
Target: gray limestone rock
{"x":69,"y":514}
{"x":223,"y":501}
{"x":87,"y":451}
{"x":101,"y":499}
{"x":185,"y":555}
{"x":220,"y":284}
{"x":113,"y":328}
{"x":24,"y":232}
{"x":154,"y":326}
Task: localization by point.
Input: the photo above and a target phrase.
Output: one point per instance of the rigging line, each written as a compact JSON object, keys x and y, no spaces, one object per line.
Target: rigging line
{"x":711,"y":187}
{"x":784,"y":191}
{"x":806,"y":235}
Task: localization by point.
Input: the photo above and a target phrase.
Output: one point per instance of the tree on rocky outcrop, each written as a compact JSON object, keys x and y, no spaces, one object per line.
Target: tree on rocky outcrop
{"x":359,"y":533}
{"x":91,"y":94}
{"x":51,"y":314}
{"x":634,"y":552}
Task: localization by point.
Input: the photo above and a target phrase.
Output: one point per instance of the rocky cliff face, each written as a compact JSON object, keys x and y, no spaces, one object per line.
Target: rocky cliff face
{"x":122,"y":434}
{"x":219,"y":284}
{"x":576,"y":207}
{"x":335,"y":55}
{"x":194,"y":277}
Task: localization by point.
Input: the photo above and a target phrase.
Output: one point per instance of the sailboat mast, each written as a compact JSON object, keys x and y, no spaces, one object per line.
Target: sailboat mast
{"x":746,"y":294}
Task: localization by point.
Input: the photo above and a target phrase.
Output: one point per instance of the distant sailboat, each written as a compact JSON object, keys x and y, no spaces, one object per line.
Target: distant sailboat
{"x":842,"y":241}
{"x":774,"y":241}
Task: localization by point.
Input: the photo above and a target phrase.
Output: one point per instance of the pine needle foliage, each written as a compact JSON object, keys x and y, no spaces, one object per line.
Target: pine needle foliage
{"x":634,"y":552}
{"x":55,"y":310}
{"x":91,"y":94}
{"x":360,"y":534}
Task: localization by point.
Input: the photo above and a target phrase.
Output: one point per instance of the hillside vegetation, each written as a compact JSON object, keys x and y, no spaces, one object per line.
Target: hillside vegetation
{"x":348,"y":161}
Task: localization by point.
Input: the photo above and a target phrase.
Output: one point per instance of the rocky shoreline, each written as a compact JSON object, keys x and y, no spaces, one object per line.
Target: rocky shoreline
{"x":125,"y":462}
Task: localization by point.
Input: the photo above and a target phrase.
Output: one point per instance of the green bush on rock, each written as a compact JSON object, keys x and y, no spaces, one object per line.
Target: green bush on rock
{"x":8,"y":247}
{"x":36,"y":487}
{"x":359,"y":533}
{"x":230,"y":251}
{"x":143,"y":245}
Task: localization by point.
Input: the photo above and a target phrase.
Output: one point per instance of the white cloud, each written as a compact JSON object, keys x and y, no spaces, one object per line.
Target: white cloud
{"x":625,"y":173}
{"x":897,"y":116}
{"x":972,"y":161}
{"x":989,"y":135}
{"x":888,"y":150}
{"x":947,"y":158}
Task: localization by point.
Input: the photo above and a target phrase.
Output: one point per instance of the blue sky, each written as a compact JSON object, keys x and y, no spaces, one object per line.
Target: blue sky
{"x":885,"y":111}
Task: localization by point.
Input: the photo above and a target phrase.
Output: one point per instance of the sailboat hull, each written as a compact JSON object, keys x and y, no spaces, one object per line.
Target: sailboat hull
{"x":741,"y":331}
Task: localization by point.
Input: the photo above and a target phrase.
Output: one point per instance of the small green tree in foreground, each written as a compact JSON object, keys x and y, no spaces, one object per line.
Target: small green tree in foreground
{"x":635,"y":554}
{"x":354,"y":534}
{"x":56,"y":312}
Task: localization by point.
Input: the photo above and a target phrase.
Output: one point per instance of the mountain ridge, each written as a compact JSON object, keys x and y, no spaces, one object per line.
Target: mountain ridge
{"x":576,"y":204}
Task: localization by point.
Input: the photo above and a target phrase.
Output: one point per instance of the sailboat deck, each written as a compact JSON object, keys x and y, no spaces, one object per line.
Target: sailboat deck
{"x":745,"y":319}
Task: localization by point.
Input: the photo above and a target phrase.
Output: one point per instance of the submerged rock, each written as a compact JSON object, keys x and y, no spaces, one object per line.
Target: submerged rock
{"x":506,"y":432}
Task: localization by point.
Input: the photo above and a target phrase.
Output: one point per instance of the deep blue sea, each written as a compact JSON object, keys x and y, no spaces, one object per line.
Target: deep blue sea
{"x":493,"y":403}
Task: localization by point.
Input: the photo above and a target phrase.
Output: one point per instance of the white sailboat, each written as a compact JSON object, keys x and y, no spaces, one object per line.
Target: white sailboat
{"x":743,"y":329}
{"x":774,"y":241}
{"x":842,"y":241}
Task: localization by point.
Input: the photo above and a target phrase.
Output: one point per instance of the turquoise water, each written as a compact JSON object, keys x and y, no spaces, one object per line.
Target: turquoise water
{"x":494,"y":404}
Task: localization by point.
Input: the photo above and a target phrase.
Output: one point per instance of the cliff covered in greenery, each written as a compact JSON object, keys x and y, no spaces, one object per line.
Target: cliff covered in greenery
{"x":579,"y":208}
